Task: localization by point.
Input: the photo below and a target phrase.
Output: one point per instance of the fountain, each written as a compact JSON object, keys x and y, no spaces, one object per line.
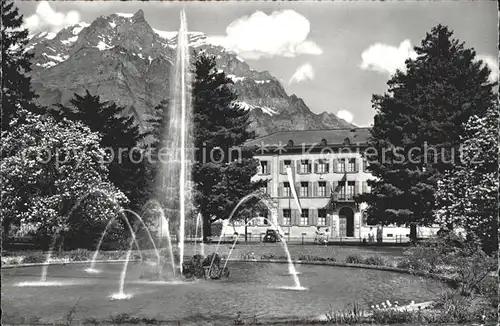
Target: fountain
{"x":202,"y":245}
{"x":92,"y":269}
{"x":178,"y":139}
{"x":291,"y":267}
{"x":121,"y":295}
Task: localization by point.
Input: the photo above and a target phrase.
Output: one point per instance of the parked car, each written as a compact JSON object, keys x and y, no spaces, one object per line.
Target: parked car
{"x":272,"y":236}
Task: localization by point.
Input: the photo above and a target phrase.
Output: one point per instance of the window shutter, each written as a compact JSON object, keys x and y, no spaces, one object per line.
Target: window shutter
{"x":297,"y":188}
{"x":309,"y":166}
{"x":335,"y":165}
{"x":334,"y":185}
{"x":280,"y":189}
{"x":298,"y":166}
{"x":280,"y":217}
{"x":294,"y":217}
{"x":356,"y":185}
{"x":269,"y":167}
{"x":315,"y":166}
{"x":364,"y":185}
{"x":310,"y":189}
{"x":356,"y":169}
{"x":282,"y":166}
{"x":269,"y":187}
{"x":315,"y":189}
{"x":327,"y":169}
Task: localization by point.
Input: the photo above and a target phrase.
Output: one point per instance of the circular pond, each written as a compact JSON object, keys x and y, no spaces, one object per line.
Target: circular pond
{"x":255,"y":289}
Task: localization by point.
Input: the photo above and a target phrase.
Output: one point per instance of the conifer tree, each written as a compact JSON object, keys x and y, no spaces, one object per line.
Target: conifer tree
{"x":418,"y":125}
{"x":220,"y":126}
{"x":16,"y":84}
{"x":121,"y":137}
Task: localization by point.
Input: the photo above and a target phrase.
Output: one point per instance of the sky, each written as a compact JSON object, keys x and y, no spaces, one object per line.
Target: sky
{"x":333,"y":54}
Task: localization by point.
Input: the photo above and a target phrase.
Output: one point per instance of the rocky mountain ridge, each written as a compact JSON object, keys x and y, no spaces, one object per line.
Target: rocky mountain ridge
{"x":123,"y":59}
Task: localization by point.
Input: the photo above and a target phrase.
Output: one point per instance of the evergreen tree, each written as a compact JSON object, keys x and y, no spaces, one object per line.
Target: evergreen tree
{"x":467,"y":194}
{"x":418,"y":125}
{"x":221,"y":174}
{"x":121,"y":137}
{"x":16,"y":84}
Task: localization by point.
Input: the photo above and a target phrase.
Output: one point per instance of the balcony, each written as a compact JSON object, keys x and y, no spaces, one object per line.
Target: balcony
{"x":343,"y":197}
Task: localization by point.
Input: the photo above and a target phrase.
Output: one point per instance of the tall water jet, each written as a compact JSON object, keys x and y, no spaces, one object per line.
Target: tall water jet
{"x":176,"y":170}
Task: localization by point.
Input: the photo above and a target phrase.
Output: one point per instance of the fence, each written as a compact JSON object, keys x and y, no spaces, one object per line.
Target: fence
{"x":306,"y":239}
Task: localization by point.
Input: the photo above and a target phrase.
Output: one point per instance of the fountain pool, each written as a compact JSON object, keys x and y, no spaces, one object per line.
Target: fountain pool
{"x":258,"y":289}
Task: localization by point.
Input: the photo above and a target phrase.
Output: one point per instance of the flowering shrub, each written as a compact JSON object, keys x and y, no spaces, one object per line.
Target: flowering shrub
{"x":53,"y":177}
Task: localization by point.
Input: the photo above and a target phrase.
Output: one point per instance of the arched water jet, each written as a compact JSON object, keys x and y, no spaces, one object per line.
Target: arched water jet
{"x":45,"y":266}
{"x":92,"y":269}
{"x":149,"y":234}
{"x":121,"y":295}
{"x":291,"y":267}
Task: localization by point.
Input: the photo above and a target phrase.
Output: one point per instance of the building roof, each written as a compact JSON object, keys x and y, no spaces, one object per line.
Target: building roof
{"x":335,"y":137}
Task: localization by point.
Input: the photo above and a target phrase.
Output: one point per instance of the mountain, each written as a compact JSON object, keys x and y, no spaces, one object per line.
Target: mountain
{"x":122,"y":59}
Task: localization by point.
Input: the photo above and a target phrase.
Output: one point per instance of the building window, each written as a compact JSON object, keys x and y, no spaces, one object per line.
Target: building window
{"x":322,"y":189}
{"x":264,"y":168}
{"x":350,"y":190}
{"x":305,"y":166}
{"x":304,"y":189}
{"x":290,"y":143}
{"x":286,"y":189}
{"x":341,"y":165}
{"x":304,"y":217}
{"x":352,"y":165}
{"x":323,"y":142}
{"x":321,"y":217}
{"x":287,"y":215}
{"x":287,"y":164}
{"x":342,"y":191}
{"x":322,"y":166}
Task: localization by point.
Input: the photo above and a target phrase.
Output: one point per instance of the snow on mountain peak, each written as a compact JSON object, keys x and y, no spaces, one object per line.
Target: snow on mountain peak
{"x":125,"y":15}
{"x":265,"y":109}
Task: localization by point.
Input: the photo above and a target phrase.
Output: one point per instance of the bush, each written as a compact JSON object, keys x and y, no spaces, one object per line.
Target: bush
{"x":354,"y":259}
{"x":35,"y":257}
{"x":79,"y":255}
{"x":376,"y":260}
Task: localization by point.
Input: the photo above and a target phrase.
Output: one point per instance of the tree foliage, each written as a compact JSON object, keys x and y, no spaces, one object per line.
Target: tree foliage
{"x":223,"y":166}
{"x":53,"y":178}
{"x":467,"y":194}
{"x":121,"y":137}
{"x":418,"y":125}
{"x":16,"y":83}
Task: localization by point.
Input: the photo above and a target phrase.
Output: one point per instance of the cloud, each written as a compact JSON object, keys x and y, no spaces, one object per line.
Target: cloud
{"x":302,"y":73}
{"x":492,"y":63}
{"x":46,"y":18}
{"x":385,"y":58}
{"x":346,"y":115}
{"x":282,"y":33}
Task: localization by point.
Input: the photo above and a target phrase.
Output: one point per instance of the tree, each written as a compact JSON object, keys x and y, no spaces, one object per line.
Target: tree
{"x":223,"y":166}
{"x":418,"y":125}
{"x":53,"y":178}
{"x":121,"y":136}
{"x":16,"y":83}
{"x":467,"y":194}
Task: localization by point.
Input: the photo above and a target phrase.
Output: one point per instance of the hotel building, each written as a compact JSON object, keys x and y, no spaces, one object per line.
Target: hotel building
{"x":329,"y":171}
